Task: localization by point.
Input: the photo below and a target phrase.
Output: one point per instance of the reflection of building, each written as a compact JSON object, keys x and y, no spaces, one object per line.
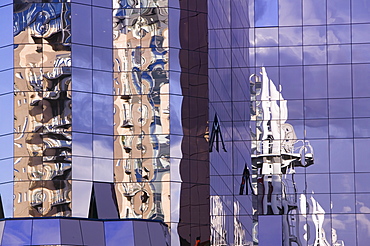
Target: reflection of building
{"x":300,"y":172}
{"x":113,"y":114}
{"x":103,"y":128}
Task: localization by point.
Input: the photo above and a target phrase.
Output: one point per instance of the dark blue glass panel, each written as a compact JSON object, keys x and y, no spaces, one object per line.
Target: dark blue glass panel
{"x":141,"y":233}
{"x":105,"y":200}
{"x":81,"y":27}
{"x":17,"y":232}
{"x":93,"y":232}
{"x":117,"y":232}
{"x":102,"y":25}
{"x":71,"y":232}
{"x":266,"y":13}
{"x":156,"y":233}
{"x":46,"y":231}
{"x":270,"y":225}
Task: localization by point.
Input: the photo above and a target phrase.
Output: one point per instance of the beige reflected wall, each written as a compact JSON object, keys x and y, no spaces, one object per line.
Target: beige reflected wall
{"x":42,"y":110}
{"x":141,"y":146}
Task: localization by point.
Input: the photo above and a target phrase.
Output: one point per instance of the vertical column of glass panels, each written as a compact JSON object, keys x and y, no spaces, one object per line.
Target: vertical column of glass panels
{"x":6,"y":111}
{"x":42,"y":109}
{"x":141,"y":114}
{"x":230,"y":180}
{"x":82,"y":110}
{"x":93,"y":109}
{"x":193,"y":224}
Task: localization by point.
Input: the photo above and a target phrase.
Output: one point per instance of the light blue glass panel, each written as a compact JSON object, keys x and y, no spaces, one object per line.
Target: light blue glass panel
{"x":117,"y":232}
{"x":266,"y":13}
{"x":8,"y":53}
{"x":270,"y":229}
{"x":82,"y":144}
{"x":103,"y":170}
{"x":103,"y":81}
{"x":6,"y":143}
{"x":82,"y":168}
{"x":6,"y":24}
{"x":81,"y":195}
{"x":290,"y":13}
{"x":7,"y":168}
{"x":103,"y":114}
{"x":7,"y":115}
{"x":6,"y":81}
{"x":17,"y":232}
{"x":82,"y":112}
{"x":81,"y":57}
{"x":46,"y":232}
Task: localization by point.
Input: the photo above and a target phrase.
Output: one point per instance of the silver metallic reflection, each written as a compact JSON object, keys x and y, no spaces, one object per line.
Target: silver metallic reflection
{"x":141,"y":146}
{"x":276,"y":154}
{"x":42,"y":110}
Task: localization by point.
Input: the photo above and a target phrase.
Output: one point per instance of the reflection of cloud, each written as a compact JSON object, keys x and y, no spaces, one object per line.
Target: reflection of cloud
{"x":362,"y":219}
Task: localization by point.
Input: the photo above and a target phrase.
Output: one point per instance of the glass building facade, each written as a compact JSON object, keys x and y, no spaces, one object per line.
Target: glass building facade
{"x":301,"y":175}
{"x":104,"y":124}
{"x":184,"y":122}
